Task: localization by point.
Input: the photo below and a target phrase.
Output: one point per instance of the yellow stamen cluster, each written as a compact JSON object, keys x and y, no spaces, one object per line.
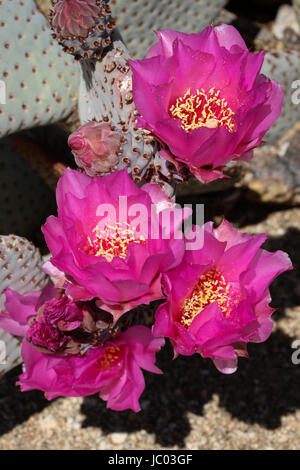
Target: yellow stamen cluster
{"x":109,"y":358}
{"x":111,"y":242}
{"x":203,"y":110}
{"x":211,"y":287}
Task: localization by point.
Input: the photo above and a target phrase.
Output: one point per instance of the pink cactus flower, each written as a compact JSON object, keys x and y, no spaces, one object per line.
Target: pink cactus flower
{"x":218,"y":298}
{"x":105,"y":248}
{"x":75,"y":17}
{"x":202,"y":95}
{"x":95,"y":147}
{"x":113,"y":370}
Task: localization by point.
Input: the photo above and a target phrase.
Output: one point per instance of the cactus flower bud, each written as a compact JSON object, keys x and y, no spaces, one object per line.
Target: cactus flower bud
{"x":95,"y":147}
{"x":82,"y":27}
{"x":75,"y":17}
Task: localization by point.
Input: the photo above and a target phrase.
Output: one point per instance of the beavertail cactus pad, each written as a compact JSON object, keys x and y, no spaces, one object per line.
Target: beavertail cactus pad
{"x":39,"y":82}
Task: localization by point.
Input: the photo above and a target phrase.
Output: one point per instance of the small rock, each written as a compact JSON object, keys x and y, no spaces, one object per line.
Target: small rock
{"x":48,"y":424}
{"x":118,"y":437}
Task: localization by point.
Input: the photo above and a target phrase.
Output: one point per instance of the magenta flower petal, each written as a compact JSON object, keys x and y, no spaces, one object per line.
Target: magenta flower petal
{"x":163,"y":326}
{"x":226,"y":366}
{"x":266,"y":266}
{"x":53,"y":375}
{"x":228,"y":37}
{"x":143,"y":89}
{"x":37,"y":374}
{"x":244,"y":253}
{"x":20,"y":309}
{"x":164,"y":45}
{"x":72,"y":182}
{"x":144,"y":347}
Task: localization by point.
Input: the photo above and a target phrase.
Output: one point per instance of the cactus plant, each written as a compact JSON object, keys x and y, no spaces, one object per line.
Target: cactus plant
{"x":20,"y":270}
{"x":114,"y":268}
{"x":39,"y":82}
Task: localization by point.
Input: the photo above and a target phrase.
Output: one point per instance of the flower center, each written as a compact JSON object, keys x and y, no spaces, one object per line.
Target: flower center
{"x":111,"y":242}
{"x":203,"y":110}
{"x":211,"y":287}
{"x":110,"y":357}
